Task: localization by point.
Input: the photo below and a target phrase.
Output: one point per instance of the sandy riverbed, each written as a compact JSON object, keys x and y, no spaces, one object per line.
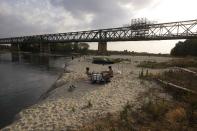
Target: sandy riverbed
{"x":64,"y":109}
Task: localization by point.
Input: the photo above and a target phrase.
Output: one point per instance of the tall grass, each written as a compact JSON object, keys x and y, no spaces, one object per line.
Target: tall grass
{"x":189,"y":62}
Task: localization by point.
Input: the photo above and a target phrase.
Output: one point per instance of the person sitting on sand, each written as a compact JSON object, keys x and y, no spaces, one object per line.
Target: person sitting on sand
{"x":107,"y":74}
{"x":104,"y":76}
{"x":88,"y":71}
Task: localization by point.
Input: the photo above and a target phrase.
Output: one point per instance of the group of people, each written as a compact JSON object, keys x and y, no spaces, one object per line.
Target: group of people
{"x":102,"y":77}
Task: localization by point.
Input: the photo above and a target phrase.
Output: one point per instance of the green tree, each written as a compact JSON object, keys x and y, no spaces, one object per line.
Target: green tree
{"x":76,"y":47}
{"x":188,"y":47}
{"x":83,"y":47}
{"x":68,"y":47}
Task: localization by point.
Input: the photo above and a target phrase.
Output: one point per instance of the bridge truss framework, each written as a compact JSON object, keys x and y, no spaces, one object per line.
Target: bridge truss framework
{"x":141,"y":32}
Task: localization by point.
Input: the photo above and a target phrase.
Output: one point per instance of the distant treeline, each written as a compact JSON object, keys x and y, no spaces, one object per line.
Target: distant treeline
{"x":188,"y":47}
{"x":4,"y":47}
{"x":58,"y":47}
{"x":70,"y":48}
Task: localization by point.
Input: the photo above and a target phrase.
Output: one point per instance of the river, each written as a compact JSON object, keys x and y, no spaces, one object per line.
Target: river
{"x":24,"y":77}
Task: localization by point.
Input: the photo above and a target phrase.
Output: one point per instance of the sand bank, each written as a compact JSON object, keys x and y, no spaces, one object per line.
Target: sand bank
{"x":64,"y":109}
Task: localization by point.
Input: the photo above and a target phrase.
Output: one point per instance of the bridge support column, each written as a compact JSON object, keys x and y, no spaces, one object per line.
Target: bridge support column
{"x":15,"y":47}
{"x":102,"y":48}
{"x":45,"y":48}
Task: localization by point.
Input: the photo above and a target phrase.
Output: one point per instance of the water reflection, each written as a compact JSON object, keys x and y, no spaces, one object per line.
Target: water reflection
{"x":34,"y":59}
{"x":16,"y":57}
{"x":23,"y":78}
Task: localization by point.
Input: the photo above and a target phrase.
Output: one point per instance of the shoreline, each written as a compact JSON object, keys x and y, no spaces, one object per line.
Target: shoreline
{"x":64,"y":109}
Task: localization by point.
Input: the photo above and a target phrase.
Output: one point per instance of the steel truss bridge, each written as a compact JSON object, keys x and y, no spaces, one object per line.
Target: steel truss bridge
{"x":133,"y":32}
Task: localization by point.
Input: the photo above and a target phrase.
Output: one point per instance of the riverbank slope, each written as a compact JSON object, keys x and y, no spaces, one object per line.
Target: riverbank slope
{"x":70,"y":109}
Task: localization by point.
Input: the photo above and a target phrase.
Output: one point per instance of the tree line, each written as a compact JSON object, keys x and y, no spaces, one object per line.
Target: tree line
{"x":188,"y":47}
{"x":70,"y":47}
{"x":58,"y":47}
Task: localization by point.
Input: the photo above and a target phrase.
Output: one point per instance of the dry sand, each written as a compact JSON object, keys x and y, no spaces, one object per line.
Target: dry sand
{"x":65,"y":109}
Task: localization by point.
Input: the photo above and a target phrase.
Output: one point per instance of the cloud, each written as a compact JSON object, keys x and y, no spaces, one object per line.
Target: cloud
{"x":104,"y":13}
{"x":22,"y":17}
{"x":18,"y":18}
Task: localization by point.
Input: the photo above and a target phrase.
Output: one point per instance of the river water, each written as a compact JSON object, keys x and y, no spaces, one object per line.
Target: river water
{"x":23,"y":78}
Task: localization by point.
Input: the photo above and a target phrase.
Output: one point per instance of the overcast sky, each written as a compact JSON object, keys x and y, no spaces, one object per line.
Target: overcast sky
{"x":28,"y":17}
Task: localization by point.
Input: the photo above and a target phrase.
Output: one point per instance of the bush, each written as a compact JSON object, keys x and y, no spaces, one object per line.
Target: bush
{"x":176,"y":115}
{"x":185,"y":48}
{"x":156,"y":109}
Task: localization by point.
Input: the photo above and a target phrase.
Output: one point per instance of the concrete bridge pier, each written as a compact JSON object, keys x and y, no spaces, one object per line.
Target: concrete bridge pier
{"x":102,"y":48}
{"x":45,"y":48}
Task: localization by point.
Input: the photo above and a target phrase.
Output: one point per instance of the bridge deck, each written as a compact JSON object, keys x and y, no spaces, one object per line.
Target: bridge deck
{"x":162,"y":31}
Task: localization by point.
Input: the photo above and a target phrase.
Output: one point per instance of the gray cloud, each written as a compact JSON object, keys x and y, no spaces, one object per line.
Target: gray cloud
{"x":22,"y":17}
{"x":12,"y":25}
{"x":19,"y":18}
{"x":105,"y":12}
